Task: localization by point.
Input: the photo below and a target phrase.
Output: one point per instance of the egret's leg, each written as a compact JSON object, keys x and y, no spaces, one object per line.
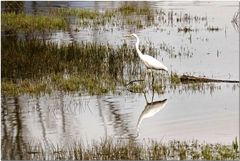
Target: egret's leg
{"x":148,"y":74}
{"x":146,"y":79}
{"x":147,"y":82}
{"x":152,"y":96}
{"x":143,"y":76}
{"x":152,"y":86}
{"x":142,"y":80}
{"x":161,"y":75}
{"x":152,"y":80}
{"x":144,"y":93}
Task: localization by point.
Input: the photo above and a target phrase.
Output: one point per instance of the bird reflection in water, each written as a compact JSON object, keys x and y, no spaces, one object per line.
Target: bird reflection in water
{"x":150,"y":109}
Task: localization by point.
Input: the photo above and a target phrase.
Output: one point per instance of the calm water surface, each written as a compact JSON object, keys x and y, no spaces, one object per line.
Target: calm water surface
{"x":61,"y":118}
{"x":209,"y":115}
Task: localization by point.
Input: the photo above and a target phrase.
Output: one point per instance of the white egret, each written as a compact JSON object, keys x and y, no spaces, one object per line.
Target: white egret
{"x":151,"y":109}
{"x":149,"y":61}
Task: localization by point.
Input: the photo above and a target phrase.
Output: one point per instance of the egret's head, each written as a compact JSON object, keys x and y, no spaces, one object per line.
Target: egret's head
{"x":132,"y":35}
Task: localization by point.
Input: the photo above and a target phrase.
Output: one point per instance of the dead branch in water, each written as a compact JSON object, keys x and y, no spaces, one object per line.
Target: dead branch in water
{"x":187,"y":78}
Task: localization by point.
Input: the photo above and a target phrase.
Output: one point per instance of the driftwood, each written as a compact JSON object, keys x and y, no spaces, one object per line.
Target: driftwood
{"x":187,"y":78}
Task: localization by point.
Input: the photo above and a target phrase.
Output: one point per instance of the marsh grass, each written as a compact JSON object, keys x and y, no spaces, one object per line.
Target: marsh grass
{"x":90,"y":18}
{"x":235,"y":20}
{"x":34,"y":59}
{"x":112,"y":149}
{"x":26,"y":23}
{"x":38,"y":66}
{"x":127,"y":9}
{"x":175,"y":78}
{"x":185,"y":29}
{"x":80,"y":13}
{"x":213,"y":28}
{"x":89,"y":84}
{"x":62,"y":18}
{"x":58,"y":18}
{"x":138,"y":23}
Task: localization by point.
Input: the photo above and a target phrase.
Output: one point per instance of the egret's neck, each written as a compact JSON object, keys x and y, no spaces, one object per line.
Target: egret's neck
{"x":137,"y":48}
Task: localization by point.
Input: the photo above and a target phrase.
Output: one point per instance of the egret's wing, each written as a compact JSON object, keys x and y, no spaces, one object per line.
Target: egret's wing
{"x":153,"y":63}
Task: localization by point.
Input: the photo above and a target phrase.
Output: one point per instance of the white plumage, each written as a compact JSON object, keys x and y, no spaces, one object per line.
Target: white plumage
{"x":149,"y":61}
{"x":153,"y":63}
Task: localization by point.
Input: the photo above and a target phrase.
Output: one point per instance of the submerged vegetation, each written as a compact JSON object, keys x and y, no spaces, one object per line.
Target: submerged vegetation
{"x":111,"y":149}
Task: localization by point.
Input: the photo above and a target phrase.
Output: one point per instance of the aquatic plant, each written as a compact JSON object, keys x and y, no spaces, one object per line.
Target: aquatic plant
{"x":90,"y":18}
{"x":212,"y":28}
{"x":21,"y":22}
{"x":235,"y":20}
{"x":138,"y":23}
{"x":80,"y":13}
{"x":128,"y":9}
{"x":174,"y":78}
{"x":87,"y":67}
{"x":185,"y":29}
{"x":94,"y":68}
{"x":65,"y":18}
{"x":115,"y":149}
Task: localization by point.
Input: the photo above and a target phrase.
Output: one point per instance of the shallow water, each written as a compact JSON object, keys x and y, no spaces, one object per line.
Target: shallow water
{"x":61,"y":118}
{"x":210,"y":115}
{"x":199,"y":49}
